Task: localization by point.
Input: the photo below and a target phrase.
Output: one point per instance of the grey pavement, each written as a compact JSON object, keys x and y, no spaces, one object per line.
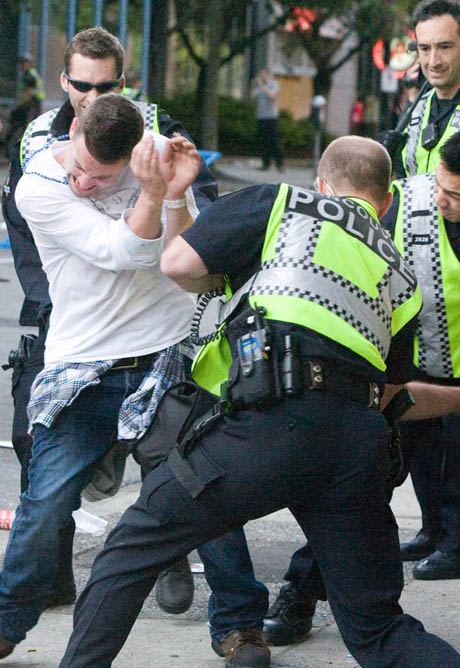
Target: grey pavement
{"x":234,"y":172}
{"x":164,"y":641}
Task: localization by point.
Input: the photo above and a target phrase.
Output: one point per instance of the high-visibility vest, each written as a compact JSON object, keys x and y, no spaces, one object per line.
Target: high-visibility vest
{"x":420,"y":235}
{"x":39,"y":89}
{"x":328,"y":265}
{"x":415,"y":158}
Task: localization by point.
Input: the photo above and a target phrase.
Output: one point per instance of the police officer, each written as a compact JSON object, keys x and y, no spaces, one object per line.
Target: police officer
{"x":426,"y":229}
{"x":93,"y":64}
{"x":424,"y":222}
{"x":315,"y":291}
{"x":436,"y":116}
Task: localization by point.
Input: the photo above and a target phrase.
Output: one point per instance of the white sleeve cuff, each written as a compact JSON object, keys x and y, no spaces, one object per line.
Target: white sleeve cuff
{"x":136,"y":247}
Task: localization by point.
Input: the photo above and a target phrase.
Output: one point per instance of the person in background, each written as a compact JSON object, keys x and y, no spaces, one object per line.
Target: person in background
{"x":29,"y":103}
{"x":264,"y":90}
{"x":357,"y":126}
{"x":133,"y":86}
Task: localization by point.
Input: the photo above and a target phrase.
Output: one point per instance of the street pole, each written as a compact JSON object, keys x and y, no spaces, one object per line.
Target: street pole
{"x":317,"y":105}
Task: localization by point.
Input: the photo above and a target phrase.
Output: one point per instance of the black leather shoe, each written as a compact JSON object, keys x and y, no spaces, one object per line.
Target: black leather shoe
{"x":243,"y":649}
{"x":290,"y":617}
{"x":6,"y":647}
{"x":174,"y":588}
{"x":419,"y":547}
{"x":438,"y":566}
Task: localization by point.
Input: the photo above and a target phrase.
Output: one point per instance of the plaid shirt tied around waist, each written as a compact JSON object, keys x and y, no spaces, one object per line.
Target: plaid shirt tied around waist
{"x":57,"y":386}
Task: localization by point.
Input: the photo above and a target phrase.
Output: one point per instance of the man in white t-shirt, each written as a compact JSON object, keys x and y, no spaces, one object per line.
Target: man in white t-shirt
{"x":117,"y":325}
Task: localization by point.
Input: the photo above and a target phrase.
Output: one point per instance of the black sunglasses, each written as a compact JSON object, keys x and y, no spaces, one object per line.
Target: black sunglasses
{"x":85,"y":86}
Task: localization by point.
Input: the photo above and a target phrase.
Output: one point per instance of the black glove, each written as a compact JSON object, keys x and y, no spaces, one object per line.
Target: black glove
{"x":393,"y":141}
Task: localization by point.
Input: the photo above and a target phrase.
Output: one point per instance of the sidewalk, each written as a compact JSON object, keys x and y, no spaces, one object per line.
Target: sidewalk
{"x":162,"y":641}
{"x":241,"y":172}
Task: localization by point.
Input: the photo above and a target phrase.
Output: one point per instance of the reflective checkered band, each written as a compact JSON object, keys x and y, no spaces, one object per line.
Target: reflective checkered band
{"x":414,"y":131}
{"x":37,"y":134}
{"x":370,"y":317}
{"x":420,"y":220}
{"x":292,"y":270}
{"x":149,"y":112}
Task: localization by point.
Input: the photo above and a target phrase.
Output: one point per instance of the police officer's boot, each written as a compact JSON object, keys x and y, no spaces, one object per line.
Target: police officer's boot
{"x":418,"y":547}
{"x":290,"y":617}
{"x":174,"y":588}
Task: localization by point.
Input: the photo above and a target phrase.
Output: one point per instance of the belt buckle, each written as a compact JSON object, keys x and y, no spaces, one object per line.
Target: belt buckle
{"x":316,"y":376}
{"x":374,"y":396}
{"x":134,"y":365}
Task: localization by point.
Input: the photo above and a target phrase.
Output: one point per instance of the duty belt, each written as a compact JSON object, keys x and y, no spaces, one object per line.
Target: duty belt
{"x":318,"y":375}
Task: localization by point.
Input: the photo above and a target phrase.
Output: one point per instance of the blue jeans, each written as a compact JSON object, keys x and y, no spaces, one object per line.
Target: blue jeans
{"x":238,"y":600}
{"x":60,"y":468}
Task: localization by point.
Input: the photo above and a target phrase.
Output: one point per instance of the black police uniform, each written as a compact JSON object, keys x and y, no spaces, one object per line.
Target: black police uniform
{"x":321,"y":454}
{"x":36,"y":307}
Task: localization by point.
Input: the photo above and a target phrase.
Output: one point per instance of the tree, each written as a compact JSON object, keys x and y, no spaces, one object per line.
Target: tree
{"x":365,"y":20}
{"x":214,"y":32}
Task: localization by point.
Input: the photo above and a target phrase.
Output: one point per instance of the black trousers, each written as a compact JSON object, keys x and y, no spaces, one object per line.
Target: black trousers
{"x":22,"y":379}
{"x":435,"y":470}
{"x":269,"y":141}
{"x":323,"y":457}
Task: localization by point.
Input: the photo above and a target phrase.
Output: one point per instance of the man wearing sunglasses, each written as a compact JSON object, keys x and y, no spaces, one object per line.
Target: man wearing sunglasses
{"x":93,"y":65}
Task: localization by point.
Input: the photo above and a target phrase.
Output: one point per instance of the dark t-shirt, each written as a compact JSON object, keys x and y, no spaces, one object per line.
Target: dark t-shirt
{"x":229,"y":237}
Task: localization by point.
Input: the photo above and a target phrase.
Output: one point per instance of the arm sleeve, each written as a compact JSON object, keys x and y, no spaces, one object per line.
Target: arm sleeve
{"x":400,"y":356}
{"x":204,"y":187}
{"x":27,"y":261}
{"x":59,"y":219}
{"x":229,"y":235}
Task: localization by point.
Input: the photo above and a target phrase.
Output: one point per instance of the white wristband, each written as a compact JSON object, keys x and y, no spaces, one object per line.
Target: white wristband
{"x":174,"y":203}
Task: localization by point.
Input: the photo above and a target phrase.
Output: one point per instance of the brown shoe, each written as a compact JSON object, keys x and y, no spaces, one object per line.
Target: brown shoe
{"x":243,"y":649}
{"x":6,"y":647}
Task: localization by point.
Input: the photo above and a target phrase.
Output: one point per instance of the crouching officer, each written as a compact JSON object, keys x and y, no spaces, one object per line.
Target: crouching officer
{"x":320,"y":315}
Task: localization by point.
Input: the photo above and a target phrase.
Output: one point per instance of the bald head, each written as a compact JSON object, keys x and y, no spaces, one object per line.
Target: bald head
{"x":357,"y":166}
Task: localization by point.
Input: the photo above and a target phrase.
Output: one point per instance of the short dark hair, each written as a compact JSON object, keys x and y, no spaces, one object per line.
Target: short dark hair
{"x":429,"y":9}
{"x":359,"y":164}
{"x":95,"y":43}
{"x":111,"y":126}
{"x":450,"y":154}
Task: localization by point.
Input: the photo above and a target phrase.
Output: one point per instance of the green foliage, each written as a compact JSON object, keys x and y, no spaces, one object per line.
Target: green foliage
{"x":237,"y":126}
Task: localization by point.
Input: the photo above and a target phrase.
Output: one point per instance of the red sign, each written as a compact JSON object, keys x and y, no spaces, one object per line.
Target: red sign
{"x":400,"y":57}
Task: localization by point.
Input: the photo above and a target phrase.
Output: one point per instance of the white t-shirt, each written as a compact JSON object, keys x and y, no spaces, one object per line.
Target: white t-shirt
{"x":109,"y":297}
